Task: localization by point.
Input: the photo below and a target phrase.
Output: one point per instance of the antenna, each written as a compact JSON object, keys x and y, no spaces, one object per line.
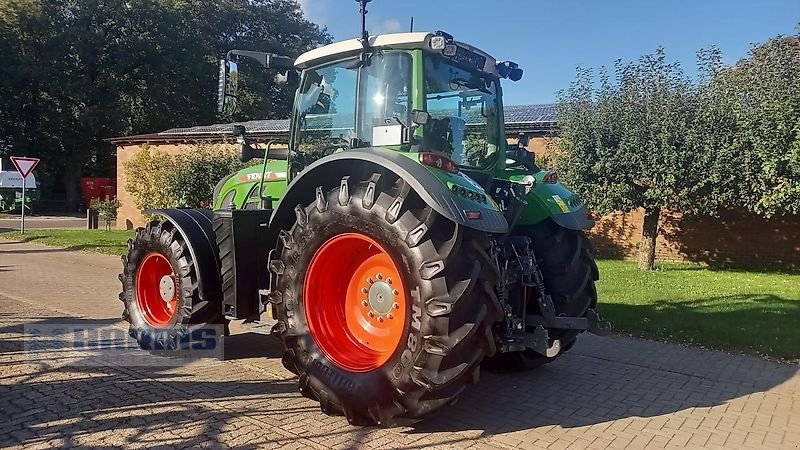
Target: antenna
{"x":363,"y":11}
{"x":412,"y":25}
{"x":364,"y":32}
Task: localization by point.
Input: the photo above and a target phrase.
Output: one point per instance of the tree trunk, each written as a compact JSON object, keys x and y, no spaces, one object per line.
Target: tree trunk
{"x":647,"y":248}
{"x":71,"y":180}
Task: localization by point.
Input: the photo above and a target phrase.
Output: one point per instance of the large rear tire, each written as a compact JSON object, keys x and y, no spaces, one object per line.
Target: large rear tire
{"x":161,"y":293}
{"x":378,"y":352}
{"x":565,"y":258}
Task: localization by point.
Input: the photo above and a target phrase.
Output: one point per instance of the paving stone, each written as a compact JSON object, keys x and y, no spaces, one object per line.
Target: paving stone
{"x":610,"y":392}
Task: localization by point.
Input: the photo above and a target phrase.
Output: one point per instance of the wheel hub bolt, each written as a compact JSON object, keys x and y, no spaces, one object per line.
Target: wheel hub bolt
{"x":395,"y":306}
{"x":380,"y":318}
{"x":371,"y":314}
{"x":379,"y":276}
{"x":370,"y":280}
{"x":390,"y":316}
{"x":395,"y":292}
{"x":388,"y":281}
{"x":364,"y":303}
{"x":364,"y":290}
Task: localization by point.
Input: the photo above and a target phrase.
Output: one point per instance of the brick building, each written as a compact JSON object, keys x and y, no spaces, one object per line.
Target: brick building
{"x":733,"y":238}
{"x":535,"y":121}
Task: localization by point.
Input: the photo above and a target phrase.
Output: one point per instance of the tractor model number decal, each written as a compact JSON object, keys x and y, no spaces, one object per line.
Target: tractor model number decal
{"x":267,"y":176}
{"x":412,"y":344}
{"x":561,"y":203}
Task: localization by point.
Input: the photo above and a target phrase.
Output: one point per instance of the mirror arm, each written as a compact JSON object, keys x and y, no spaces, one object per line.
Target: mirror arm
{"x":267,"y":60}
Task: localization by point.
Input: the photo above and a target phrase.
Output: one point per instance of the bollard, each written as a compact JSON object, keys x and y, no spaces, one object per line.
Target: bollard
{"x":92,"y":219}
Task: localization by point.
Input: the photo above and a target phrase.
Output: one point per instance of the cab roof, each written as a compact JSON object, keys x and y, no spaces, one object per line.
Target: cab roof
{"x":351,"y":47}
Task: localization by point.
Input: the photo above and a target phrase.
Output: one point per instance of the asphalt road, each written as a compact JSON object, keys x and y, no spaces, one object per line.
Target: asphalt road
{"x":609,"y":392}
{"x":12,"y":221}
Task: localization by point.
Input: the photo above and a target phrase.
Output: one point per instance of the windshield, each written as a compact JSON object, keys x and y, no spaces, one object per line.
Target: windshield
{"x":345,"y":105}
{"x":463,"y":106}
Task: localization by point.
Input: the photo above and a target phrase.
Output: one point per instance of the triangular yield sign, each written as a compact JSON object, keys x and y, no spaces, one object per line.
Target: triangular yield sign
{"x":24,"y":165}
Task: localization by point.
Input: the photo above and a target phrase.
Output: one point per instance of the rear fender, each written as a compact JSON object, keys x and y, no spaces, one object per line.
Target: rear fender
{"x":195,"y":225}
{"x":434,"y":190}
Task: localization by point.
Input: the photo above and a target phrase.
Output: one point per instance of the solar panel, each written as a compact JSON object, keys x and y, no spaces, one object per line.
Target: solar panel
{"x":544,"y":114}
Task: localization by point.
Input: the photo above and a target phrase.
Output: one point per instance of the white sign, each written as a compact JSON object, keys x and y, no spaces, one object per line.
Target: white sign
{"x":24,"y":165}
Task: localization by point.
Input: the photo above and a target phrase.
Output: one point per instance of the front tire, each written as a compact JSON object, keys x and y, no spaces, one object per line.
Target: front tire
{"x":161,"y":293}
{"x":329,"y":308}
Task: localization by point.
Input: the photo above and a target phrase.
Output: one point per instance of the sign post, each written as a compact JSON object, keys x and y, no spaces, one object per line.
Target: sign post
{"x":24,"y":166}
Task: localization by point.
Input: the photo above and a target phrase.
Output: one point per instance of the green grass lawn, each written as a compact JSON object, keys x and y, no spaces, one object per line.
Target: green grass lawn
{"x":114,"y":242}
{"x":744,"y":311}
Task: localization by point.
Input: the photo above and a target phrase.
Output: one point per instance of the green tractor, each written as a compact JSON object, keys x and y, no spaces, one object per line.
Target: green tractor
{"x":396,"y":240}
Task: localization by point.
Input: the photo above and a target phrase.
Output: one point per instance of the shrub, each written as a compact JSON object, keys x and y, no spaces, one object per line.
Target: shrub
{"x":107,"y":209}
{"x":159,"y":180}
{"x":197,"y":171}
{"x":147,"y":173}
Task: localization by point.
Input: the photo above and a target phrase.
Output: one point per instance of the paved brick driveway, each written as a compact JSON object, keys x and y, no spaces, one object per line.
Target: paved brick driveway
{"x":612,"y":392}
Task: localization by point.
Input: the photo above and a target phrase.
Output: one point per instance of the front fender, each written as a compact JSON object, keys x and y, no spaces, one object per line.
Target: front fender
{"x":557,"y":202}
{"x":195,"y":226}
{"x":433,"y":190}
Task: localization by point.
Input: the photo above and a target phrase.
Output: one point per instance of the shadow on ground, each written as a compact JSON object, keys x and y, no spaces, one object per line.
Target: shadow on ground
{"x":605,"y":379}
{"x":69,"y":398}
{"x":599,"y":381}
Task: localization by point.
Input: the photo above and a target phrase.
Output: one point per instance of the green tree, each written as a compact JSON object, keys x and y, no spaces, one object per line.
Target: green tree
{"x":762,"y":93}
{"x":624,"y":143}
{"x":76,"y":72}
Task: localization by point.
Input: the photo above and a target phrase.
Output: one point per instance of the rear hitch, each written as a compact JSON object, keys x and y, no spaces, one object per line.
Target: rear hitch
{"x":540,"y":340}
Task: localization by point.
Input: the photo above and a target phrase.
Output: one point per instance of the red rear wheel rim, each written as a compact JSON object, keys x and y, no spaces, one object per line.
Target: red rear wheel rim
{"x":355,"y":302}
{"x":156,"y":289}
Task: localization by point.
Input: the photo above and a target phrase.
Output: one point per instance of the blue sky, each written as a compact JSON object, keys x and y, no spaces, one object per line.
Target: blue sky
{"x":549,"y":39}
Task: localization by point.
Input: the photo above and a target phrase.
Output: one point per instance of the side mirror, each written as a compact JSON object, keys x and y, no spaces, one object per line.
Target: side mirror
{"x":228,"y":87}
{"x":289,"y":77}
{"x":248,"y":152}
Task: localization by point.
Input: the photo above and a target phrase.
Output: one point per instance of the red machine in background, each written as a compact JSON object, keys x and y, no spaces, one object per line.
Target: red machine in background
{"x":98,"y":187}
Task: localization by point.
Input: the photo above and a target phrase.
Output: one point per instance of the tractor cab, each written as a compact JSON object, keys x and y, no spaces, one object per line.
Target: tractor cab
{"x":422,"y":94}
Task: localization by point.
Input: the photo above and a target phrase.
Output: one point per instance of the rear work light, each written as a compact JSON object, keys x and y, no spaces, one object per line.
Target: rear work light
{"x":551,"y":178}
{"x":438,"y":160}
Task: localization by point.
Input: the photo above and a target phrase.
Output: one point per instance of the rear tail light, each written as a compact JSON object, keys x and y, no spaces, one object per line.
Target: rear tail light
{"x":438,"y":160}
{"x":551,"y":177}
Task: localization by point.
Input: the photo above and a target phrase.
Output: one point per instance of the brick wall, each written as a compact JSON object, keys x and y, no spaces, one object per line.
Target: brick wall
{"x":735,"y":238}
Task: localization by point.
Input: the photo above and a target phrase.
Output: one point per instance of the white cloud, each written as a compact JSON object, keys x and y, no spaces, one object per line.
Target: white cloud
{"x":315,"y":10}
{"x":389,"y":26}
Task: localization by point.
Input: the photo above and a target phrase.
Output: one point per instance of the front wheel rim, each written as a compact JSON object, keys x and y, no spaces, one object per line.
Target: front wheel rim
{"x":156,"y":289}
{"x":355,"y":302}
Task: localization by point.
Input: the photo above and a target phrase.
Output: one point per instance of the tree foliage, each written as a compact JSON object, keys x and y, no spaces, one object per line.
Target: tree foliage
{"x":763,"y":94}
{"x":651,"y":138}
{"x":624,"y":144}
{"x":76,"y":72}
